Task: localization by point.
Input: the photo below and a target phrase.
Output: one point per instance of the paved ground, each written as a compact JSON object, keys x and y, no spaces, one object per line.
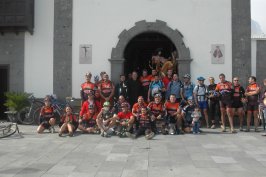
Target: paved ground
{"x":209,"y":154}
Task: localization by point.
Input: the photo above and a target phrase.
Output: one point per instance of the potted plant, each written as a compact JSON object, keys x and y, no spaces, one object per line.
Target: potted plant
{"x":15,"y":102}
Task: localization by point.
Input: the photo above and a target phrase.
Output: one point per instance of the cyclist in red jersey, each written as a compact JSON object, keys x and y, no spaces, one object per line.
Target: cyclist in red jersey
{"x":224,"y":89}
{"x":166,"y":79}
{"x":86,"y":88}
{"x":136,"y":110}
{"x":173,"y":117}
{"x":125,"y":120}
{"x":157,"y":112}
{"x":107,"y":89}
{"x":252,"y":94}
{"x":238,"y":98}
{"x":47,"y":119}
{"x":68,"y":122}
{"x":87,"y":123}
{"x":145,"y":80}
{"x":90,"y":101}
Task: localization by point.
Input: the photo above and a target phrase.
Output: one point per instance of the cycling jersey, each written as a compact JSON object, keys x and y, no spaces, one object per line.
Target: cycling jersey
{"x":171,"y":108}
{"x":144,"y":120}
{"x":106,"y":88}
{"x":137,"y":108}
{"x":86,"y":88}
{"x":156,"y":108}
{"x":123,"y":115}
{"x":47,"y":112}
{"x":252,"y":100}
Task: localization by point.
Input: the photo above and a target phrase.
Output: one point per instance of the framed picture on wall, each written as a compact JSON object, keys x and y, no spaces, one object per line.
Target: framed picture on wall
{"x":217,"y":53}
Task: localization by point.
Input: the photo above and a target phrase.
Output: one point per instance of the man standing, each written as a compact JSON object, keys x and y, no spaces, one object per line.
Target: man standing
{"x":188,"y":86}
{"x":252,"y":94}
{"x":224,"y":89}
{"x":107,"y":89}
{"x":175,"y":87}
{"x":134,"y":88}
{"x":86,"y":88}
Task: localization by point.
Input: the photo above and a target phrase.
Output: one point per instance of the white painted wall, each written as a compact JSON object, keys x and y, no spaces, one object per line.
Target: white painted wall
{"x":202,"y":23}
{"x":39,"y":51}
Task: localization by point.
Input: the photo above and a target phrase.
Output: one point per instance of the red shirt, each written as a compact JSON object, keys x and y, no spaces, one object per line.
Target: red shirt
{"x":90,"y":116}
{"x":156,"y":109}
{"x":137,"y":108}
{"x":166,"y":81}
{"x":171,"y":108}
{"x":122,"y":115}
{"x":145,"y":81}
{"x":106,"y":88}
{"x":71,"y":118}
{"x":87,"y":87}
{"x":47,"y":112}
{"x":85,"y":107}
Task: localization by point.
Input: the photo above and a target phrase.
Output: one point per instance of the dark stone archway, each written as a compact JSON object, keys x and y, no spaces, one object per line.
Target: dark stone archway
{"x":117,"y":56}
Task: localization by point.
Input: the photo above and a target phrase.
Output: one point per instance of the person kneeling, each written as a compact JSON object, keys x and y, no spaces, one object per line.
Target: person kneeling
{"x":87,"y":123}
{"x":68,"y":122}
{"x":47,"y":120}
{"x":145,"y":127}
{"x":125,"y":120}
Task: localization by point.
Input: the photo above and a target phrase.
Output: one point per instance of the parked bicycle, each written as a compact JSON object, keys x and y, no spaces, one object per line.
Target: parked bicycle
{"x":8,"y":128}
{"x":26,"y":115}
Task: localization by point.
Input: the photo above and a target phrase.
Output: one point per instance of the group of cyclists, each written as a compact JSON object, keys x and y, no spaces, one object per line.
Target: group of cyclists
{"x":157,"y":103}
{"x":164,"y":105}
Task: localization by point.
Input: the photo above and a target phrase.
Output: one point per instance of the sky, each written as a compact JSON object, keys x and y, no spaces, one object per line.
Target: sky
{"x":258,"y":13}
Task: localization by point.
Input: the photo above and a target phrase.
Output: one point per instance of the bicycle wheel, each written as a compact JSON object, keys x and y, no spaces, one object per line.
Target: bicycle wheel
{"x":7,"y":130}
{"x":25,"y":116}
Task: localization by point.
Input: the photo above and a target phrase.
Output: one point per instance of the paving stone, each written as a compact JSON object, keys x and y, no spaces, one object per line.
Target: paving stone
{"x":219,"y":159}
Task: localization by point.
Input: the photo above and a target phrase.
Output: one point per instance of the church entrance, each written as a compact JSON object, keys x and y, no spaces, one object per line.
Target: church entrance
{"x":136,"y":45}
{"x":139,"y":51}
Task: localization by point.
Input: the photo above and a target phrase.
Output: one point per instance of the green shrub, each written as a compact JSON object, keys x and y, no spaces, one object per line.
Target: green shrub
{"x":16,"y":101}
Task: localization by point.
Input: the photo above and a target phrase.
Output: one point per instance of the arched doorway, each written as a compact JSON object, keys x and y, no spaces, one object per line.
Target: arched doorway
{"x":117,"y":57}
{"x":139,"y":50}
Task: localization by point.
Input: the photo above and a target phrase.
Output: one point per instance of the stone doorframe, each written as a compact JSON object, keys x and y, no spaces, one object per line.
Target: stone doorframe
{"x":117,"y":56}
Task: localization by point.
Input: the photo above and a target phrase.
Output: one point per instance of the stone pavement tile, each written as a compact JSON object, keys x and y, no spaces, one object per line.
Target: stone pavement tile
{"x":248,"y":162}
{"x":61,"y":170}
{"x":117,"y":157}
{"x":88,"y":167}
{"x":228,"y":167}
{"x":109,"y":166}
{"x":160,"y":163}
{"x":160,"y":171}
{"x":109,"y":174}
{"x":121,"y":149}
{"x":79,"y":174}
{"x":134,"y":173}
{"x":190,"y":171}
{"x":11,"y":171}
{"x":244,"y":174}
{"x":222,"y":159}
{"x":199,"y":156}
{"x":29,"y":173}
{"x":204,"y":164}
{"x":53,"y":175}
{"x":136,"y":165}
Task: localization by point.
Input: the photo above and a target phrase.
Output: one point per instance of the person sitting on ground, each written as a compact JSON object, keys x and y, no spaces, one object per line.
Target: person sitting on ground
{"x":68,"y":122}
{"x":173,"y":116}
{"x":47,"y":119}
{"x":186,"y":115}
{"x":125,"y":120}
{"x":136,"y":110}
{"x":105,"y":120}
{"x":196,"y":115}
{"x":157,"y":112}
{"x":87,"y":124}
{"x":144,"y":126}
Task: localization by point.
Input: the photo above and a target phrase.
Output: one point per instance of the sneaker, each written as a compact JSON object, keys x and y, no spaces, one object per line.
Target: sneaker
{"x":171,"y":131}
{"x":241,"y":129}
{"x":106,"y":135}
{"x":257,"y":130}
{"x":149,"y":136}
{"x":60,"y":134}
{"x":131,"y":135}
{"x":52,"y":129}
{"x":102,"y":134}
{"x":233,"y":131}
{"x":71,"y":134}
{"x":213,"y":126}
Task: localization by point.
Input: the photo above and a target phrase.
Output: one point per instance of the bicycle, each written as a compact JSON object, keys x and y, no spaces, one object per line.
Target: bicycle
{"x":26,"y":115}
{"x":8,"y":128}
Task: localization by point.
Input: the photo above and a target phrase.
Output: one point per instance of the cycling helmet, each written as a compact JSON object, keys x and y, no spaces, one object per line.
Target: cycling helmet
{"x":106,"y":104}
{"x":158,"y":95}
{"x":187,"y":76}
